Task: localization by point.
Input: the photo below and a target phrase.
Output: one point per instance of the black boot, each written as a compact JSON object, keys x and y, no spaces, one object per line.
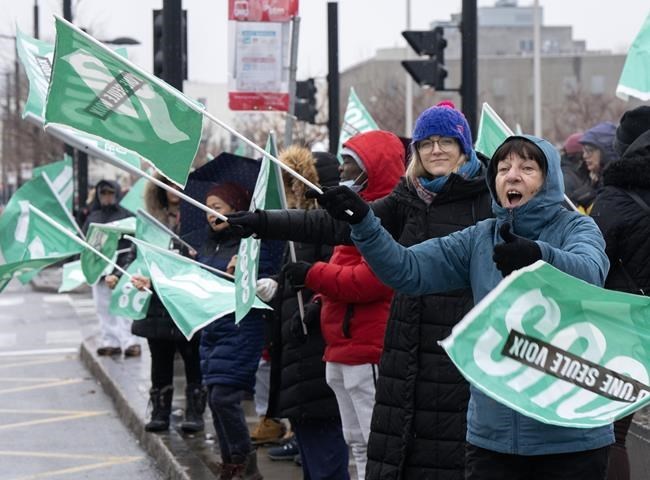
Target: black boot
{"x":195,"y":399}
{"x":247,"y":467}
{"x":161,"y":400}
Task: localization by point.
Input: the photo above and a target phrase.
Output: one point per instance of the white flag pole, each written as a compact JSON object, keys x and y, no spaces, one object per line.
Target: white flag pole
{"x":80,"y":241}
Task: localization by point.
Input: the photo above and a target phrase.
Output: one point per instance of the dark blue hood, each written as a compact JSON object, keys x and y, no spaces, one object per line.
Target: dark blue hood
{"x":528,"y":219}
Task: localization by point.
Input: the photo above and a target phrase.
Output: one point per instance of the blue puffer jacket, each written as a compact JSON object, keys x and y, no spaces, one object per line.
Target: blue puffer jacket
{"x":569,"y":241}
{"x":230,"y":353}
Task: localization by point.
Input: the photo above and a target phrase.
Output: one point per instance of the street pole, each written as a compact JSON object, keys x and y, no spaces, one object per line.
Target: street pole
{"x":293,"y":66}
{"x":469,"y":76}
{"x":537,"y":72}
{"x":172,"y":44}
{"x":36,"y":32}
{"x":6,"y":139}
{"x":333,"y":75}
{"x":408,"y":89}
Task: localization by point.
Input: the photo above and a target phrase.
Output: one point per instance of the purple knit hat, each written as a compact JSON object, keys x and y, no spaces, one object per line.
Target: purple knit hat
{"x":446,"y":121}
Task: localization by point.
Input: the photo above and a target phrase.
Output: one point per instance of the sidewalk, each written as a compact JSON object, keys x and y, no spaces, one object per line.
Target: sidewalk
{"x":178,"y":456}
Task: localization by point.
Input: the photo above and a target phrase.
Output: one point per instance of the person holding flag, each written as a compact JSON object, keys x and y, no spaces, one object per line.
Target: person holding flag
{"x":621,"y":211}
{"x":115,"y":330}
{"x":525,"y":181}
{"x":230,"y":352}
{"x":163,"y":337}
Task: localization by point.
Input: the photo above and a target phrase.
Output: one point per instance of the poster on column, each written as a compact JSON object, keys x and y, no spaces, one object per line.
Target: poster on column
{"x":259,"y":53}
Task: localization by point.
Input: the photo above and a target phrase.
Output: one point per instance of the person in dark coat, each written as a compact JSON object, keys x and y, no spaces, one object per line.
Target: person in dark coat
{"x":115,"y":330}
{"x":298,"y":390}
{"x":230,"y":352}
{"x":622,"y":213}
{"x":577,"y":184}
{"x":421,"y":399}
{"x":164,"y":338}
{"x":597,"y":152}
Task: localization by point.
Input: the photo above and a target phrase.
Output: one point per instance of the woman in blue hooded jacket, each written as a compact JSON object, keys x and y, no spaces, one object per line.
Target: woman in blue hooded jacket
{"x":525,"y":181}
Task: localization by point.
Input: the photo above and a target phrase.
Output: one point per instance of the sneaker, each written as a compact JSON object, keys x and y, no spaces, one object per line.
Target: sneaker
{"x":285,"y":452}
{"x":268,"y":430}
{"x":133,"y":351}
{"x":107,"y":351}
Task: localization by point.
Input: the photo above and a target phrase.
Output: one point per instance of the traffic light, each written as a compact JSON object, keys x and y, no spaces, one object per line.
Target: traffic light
{"x":431,"y":72}
{"x":305,"y":105}
{"x":158,"y":44}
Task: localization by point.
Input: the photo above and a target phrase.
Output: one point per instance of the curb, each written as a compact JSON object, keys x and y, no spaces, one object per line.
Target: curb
{"x":173,"y":457}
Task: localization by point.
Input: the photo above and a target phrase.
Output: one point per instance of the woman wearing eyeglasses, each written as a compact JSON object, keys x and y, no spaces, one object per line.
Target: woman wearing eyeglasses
{"x":597,"y":153}
{"x":418,"y":423}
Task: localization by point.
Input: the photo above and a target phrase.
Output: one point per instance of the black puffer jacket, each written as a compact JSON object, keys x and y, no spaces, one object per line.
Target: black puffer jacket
{"x":298,"y":387}
{"x":625,"y":226}
{"x":419,"y":422}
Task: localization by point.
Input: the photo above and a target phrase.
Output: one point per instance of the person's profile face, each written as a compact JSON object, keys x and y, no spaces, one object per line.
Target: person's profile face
{"x":219,"y":206}
{"x":517,"y":180}
{"x":349,"y":169}
{"x":591,"y":156}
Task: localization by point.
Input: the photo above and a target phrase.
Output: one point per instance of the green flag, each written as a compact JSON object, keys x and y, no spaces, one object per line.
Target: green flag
{"x":356,"y":120}
{"x":95,"y":90}
{"x":265,"y":196}
{"x":134,"y":199}
{"x":18,"y":239}
{"x":8,"y":270}
{"x":193,"y":296}
{"x":104,"y":237}
{"x":635,"y":77}
{"x":492,"y":131}
{"x":126,"y":300}
{"x":72,"y":276}
{"x":557,"y":349}
{"x":60,"y":174}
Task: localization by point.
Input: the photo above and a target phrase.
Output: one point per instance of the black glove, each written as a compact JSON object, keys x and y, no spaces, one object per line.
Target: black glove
{"x":517,"y":252}
{"x":338,"y":201}
{"x":312,"y":319}
{"x":244,"y":224}
{"x":296,"y":273}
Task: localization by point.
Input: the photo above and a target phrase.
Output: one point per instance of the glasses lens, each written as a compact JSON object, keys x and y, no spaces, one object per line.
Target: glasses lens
{"x":446,"y":143}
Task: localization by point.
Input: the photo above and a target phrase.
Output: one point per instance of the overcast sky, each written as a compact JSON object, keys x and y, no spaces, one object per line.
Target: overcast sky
{"x":364,"y":26}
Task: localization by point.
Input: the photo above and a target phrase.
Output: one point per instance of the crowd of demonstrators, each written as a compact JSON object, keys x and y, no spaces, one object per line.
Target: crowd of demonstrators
{"x":597,"y":152}
{"x":230,"y":352}
{"x":525,"y":181}
{"x":164,"y":338}
{"x":577,"y":183}
{"x":299,"y":390}
{"x":114,"y":330}
{"x":355,"y":305}
{"x":622,"y":212}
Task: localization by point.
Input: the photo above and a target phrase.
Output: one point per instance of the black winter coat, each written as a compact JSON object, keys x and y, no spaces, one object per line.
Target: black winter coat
{"x":298,"y":387}
{"x":418,"y":427}
{"x":623,"y":222}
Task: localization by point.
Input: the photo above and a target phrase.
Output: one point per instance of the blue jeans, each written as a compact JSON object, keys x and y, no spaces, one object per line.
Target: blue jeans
{"x":323,"y":451}
{"x":229,"y":422}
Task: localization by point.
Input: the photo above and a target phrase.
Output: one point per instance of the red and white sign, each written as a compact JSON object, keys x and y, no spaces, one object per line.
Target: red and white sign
{"x":259,"y":38}
{"x":262,"y":10}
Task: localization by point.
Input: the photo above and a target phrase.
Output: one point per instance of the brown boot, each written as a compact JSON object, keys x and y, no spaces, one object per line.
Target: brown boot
{"x":268,"y":430}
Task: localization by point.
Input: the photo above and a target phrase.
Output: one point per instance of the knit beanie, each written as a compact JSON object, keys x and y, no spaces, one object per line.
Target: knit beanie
{"x":233,"y":194}
{"x":633,"y":124}
{"x":572,"y":144}
{"x":444,"y":120}
{"x":602,"y":137}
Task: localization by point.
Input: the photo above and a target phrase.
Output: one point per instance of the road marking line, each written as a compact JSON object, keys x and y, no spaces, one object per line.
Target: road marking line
{"x":62,"y":418}
{"x":48,"y":360}
{"x":42,"y":385}
{"x":43,"y":351}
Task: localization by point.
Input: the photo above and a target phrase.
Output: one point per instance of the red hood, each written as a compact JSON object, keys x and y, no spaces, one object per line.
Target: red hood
{"x":382,"y":153}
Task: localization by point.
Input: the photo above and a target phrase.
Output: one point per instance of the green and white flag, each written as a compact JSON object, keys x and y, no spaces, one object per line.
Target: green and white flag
{"x":492,"y":131}
{"x":193,"y":296}
{"x":95,"y":90}
{"x":72,"y":276}
{"x":126,"y":300}
{"x":265,"y":196}
{"x":635,"y":78}
{"x":19,"y":241}
{"x":103,"y":237}
{"x":8,"y":270}
{"x":60,"y":174}
{"x":356,"y":120}
{"x":134,"y":199}
{"x":557,"y":349}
